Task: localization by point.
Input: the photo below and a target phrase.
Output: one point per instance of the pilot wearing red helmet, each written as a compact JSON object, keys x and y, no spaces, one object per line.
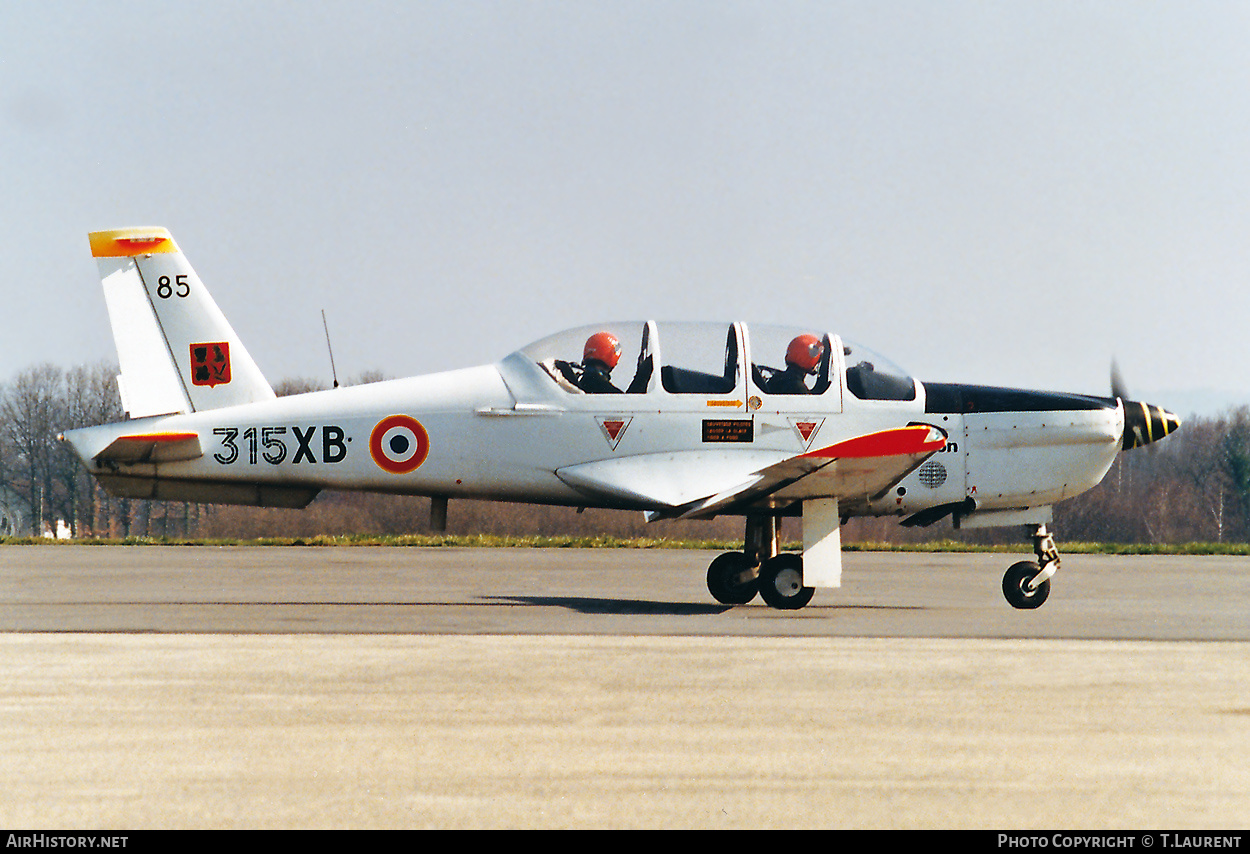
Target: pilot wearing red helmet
{"x":802,"y":359}
{"x":599,"y":357}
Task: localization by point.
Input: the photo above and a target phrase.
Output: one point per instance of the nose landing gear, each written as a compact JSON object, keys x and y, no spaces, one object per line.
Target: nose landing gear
{"x":1027,"y":583}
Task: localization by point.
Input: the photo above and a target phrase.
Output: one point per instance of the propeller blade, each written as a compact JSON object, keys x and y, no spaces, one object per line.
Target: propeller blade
{"x":1118,"y":389}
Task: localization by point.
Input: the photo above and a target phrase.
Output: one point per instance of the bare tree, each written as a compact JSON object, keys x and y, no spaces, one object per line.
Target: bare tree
{"x":31,"y":408}
{"x":90,"y":398}
{"x":297,"y":385}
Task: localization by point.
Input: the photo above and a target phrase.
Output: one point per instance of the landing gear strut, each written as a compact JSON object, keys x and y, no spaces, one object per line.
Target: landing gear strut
{"x":1027,"y":583}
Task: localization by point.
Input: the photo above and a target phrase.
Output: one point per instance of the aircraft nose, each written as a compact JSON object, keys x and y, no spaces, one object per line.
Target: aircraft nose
{"x":1145,"y":423}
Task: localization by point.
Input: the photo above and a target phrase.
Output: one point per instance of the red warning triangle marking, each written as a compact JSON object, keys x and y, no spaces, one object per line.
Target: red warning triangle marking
{"x":613,"y":428}
{"x":806,"y":428}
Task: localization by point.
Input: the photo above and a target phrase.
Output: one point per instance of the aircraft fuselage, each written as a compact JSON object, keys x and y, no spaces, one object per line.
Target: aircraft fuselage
{"x":476,"y":439}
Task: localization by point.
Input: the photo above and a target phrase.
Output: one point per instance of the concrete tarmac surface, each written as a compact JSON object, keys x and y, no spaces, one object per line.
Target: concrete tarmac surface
{"x":264,"y":687}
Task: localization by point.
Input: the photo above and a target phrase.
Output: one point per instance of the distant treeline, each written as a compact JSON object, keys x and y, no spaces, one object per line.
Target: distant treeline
{"x":1192,"y":487}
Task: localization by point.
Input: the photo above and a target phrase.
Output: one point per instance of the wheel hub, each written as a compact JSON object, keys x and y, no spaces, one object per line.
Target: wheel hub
{"x":789,"y":581}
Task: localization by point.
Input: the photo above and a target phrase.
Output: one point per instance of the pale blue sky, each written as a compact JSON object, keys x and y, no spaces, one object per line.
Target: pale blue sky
{"x":1009,"y":193}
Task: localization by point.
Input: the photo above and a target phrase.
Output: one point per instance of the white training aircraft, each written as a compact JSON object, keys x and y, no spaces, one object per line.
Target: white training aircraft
{"x":697,"y":425}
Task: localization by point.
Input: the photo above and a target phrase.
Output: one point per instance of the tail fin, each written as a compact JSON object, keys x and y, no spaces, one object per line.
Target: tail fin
{"x":177,"y":351}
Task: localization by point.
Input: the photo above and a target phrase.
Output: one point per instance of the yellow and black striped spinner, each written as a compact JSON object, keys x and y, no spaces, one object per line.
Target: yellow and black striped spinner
{"x":1145,"y":423}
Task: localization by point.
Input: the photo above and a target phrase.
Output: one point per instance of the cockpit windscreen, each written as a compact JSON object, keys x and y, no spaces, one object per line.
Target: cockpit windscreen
{"x":871,"y":376}
{"x":608,"y":358}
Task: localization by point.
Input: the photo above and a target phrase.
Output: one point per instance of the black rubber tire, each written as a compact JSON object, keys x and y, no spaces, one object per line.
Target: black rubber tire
{"x":1017,"y":576}
{"x":723,"y":580}
{"x":781,"y":583}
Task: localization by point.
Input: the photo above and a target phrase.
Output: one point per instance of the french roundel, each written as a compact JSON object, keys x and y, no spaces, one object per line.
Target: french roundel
{"x":399,"y":444}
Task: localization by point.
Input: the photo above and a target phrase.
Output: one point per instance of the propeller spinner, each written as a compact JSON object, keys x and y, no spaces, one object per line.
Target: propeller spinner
{"x":1143,"y":422}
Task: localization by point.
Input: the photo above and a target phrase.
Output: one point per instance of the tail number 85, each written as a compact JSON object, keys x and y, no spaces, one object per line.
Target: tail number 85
{"x":176,"y":287}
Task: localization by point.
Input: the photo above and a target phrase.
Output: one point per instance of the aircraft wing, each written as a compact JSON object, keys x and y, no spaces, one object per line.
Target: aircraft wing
{"x":705,"y":483}
{"x":668,"y":480}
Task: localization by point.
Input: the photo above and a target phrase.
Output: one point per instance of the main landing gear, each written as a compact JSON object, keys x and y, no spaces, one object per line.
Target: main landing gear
{"x":1027,"y":583}
{"x":735,"y":577}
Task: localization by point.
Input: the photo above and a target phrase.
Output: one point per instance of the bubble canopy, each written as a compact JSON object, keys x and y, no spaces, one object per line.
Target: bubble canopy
{"x":708,"y":358}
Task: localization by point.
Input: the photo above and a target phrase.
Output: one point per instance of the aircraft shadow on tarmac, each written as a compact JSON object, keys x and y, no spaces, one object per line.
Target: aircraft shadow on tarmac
{"x":588,"y":605}
{"x":591,"y":605}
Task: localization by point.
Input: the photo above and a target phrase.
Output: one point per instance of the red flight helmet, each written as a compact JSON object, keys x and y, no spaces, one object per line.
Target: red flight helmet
{"x":805,"y":352}
{"x":602,"y":347}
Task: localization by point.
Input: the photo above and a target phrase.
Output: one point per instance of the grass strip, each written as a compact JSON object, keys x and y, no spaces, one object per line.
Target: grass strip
{"x":605,"y":542}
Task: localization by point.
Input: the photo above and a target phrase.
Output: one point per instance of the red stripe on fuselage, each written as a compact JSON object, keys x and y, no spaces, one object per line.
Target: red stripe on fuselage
{"x":887,"y":443}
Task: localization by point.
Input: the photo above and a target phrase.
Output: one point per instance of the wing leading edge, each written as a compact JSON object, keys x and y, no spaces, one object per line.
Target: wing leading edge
{"x":703,"y":484}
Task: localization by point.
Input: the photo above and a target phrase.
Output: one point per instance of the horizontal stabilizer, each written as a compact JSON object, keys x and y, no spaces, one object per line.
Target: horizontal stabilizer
{"x":152,"y":448}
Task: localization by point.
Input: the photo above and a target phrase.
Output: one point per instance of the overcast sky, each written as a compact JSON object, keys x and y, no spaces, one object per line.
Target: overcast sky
{"x":1010,"y":193}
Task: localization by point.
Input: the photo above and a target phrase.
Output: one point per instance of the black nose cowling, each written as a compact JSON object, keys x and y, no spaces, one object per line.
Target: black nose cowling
{"x":1145,"y":423}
